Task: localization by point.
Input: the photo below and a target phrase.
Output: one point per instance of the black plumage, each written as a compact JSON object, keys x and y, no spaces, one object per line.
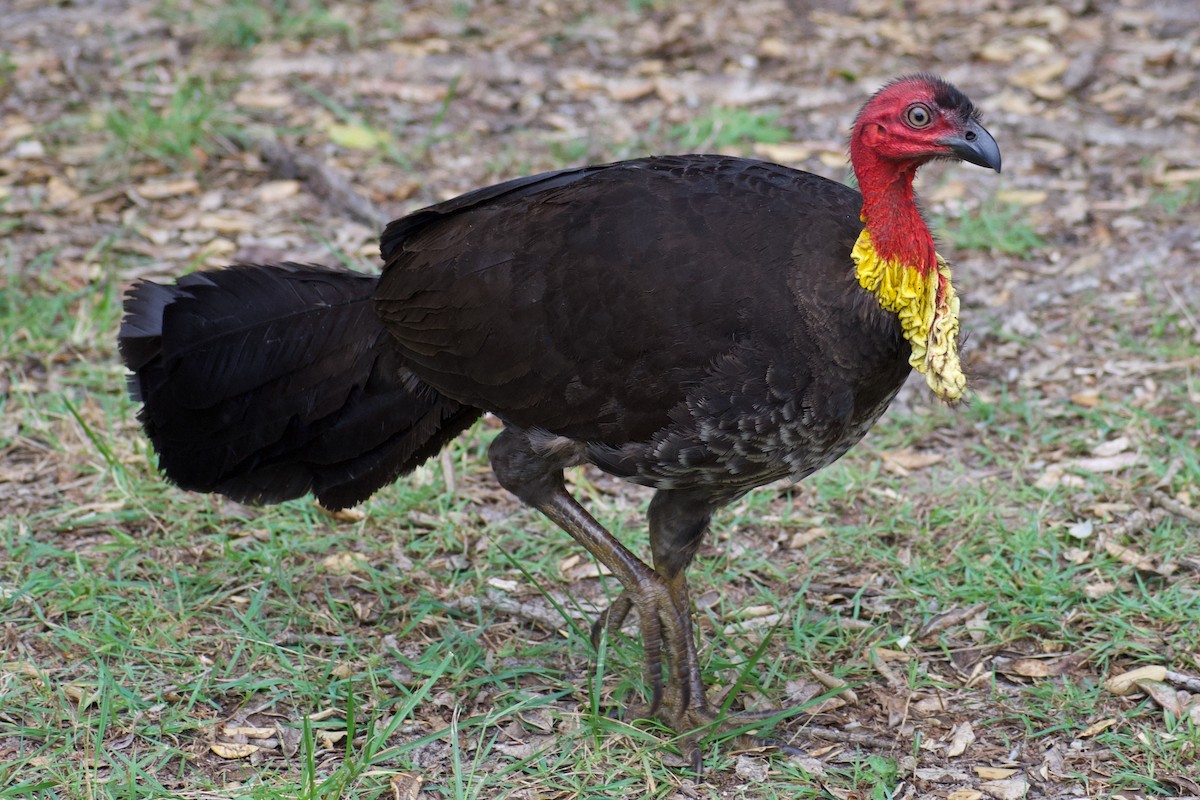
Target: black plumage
{"x":691,"y":323}
{"x":638,"y":308}
{"x":266,"y":383}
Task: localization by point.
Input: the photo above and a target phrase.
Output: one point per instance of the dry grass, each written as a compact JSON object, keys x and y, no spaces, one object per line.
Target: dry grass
{"x":974,"y":575}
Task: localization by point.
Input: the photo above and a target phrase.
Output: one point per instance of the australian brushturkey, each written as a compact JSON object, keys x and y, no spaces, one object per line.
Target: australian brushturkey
{"x":698,"y":324}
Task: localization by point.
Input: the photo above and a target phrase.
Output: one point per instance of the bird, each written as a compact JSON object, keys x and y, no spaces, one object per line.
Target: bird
{"x":698,"y":324}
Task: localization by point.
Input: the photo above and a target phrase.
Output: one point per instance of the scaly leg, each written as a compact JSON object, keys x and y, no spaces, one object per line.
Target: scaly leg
{"x":530,"y":467}
{"x":533,"y":472}
{"x":678,"y":520}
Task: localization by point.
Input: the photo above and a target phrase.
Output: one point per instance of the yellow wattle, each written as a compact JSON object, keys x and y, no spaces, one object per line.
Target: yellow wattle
{"x":928,"y":318}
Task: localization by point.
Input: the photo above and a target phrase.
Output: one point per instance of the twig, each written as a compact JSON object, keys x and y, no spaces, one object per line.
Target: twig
{"x":327,"y":184}
{"x":292,"y":639}
{"x":1175,"y":507}
{"x":1186,"y":681}
{"x":494,"y":601}
{"x":949,"y":619}
{"x":850,"y":737}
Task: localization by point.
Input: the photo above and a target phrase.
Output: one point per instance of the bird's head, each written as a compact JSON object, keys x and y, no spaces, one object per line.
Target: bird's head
{"x":907,"y":123}
{"x":916,"y":119}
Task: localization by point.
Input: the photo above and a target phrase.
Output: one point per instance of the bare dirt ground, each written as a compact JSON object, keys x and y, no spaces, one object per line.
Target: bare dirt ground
{"x":1096,"y":106}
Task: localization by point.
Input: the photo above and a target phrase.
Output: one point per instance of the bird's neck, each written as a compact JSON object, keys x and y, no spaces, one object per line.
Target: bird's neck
{"x":896,"y":261}
{"x":890,"y":213}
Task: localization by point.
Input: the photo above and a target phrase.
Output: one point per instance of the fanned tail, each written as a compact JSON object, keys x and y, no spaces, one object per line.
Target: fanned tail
{"x":264,"y":383}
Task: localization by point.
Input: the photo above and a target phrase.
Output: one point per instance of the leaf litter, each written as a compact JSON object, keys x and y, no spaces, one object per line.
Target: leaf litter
{"x":1101,"y":103}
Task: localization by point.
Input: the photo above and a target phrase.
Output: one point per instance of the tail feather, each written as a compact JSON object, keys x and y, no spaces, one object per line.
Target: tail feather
{"x":266,"y":382}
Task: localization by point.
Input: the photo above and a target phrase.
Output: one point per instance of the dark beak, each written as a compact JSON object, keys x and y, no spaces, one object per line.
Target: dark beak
{"x":974,"y":145}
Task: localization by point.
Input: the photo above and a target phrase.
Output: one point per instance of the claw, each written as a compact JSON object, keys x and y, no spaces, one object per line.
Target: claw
{"x":612,"y":618}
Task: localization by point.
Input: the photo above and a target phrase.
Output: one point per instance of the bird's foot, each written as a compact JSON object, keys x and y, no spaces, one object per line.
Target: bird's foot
{"x":696,"y":722}
{"x":669,"y":645}
{"x":679,"y":702}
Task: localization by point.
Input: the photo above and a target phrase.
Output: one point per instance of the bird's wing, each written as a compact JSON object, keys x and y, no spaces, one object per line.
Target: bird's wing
{"x":591,"y":302}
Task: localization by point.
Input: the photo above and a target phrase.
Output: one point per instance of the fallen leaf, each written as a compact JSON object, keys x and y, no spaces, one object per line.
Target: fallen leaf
{"x":248,"y":98}
{"x":504,"y":584}
{"x":1036,"y":77}
{"x":625,"y":91}
{"x":1055,"y":475}
{"x":940,"y":774}
{"x":330,"y":738}
{"x":961,"y":737}
{"x":1077,"y":555}
{"x":231,"y":750}
{"x":1106,"y":511}
{"x":158,"y":190}
{"x":1128,"y":555}
{"x":1099,"y":589}
{"x":59,"y":192}
{"x":274,"y":191}
{"x":1039,"y":667}
{"x":1022,"y":197}
{"x":357,"y":137}
{"x":586,"y":569}
{"x":1127,"y":682}
{"x":323,"y":714}
{"x":801,"y":539}
{"x":81,"y":695}
{"x":964,"y":794}
{"x":1097,"y":727}
{"x":29,"y":149}
{"x":1166,"y":697}
{"x":904,"y":461}
{"x":949,"y":619}
{"x":226,"y":223}
{"x":344,"y":564}
{"x":832,"y":682}
{"x":518,"y":750}
{"x":1081,"y":530}
{"x":406,"y":785}
{"x":1111,"y":447}
{"x":755,"y":623}
{"x":248,"y":732}
{"x":368,"y":610}
{"x":1177,"y":176}
{"x":995,"y":773}
{"x":1114,"y":463}
{"x":783,"y":152}
{"x":750,"y":769}
{"x":1012,"y":789}
{"x":342,"y":514}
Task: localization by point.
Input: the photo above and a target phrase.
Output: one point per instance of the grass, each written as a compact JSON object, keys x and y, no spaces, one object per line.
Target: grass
{"x":164,"y":644}
{"x":995,"y":227}
{"x":1175,"y":200}
{"x":721,"y":128}
{"x":152,"y":622}
{"x":242,"y":24}
{"x":178,"y":128}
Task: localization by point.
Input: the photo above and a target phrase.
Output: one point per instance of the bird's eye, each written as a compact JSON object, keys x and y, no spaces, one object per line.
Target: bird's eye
{"x":918,"y":115}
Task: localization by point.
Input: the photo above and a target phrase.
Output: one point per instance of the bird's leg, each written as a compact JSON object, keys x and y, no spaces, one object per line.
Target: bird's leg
{"x":678,"y":520}
{"x":533,"y":472}
{"x":677,"y":525}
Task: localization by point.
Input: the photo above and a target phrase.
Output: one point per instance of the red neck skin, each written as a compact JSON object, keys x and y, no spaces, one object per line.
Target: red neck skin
{"x":889,"y":211}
